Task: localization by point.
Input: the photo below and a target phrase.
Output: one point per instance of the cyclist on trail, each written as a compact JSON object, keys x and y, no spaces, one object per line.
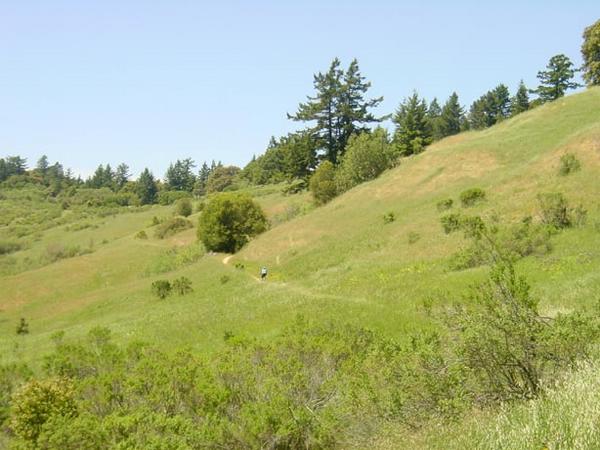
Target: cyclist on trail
{"x":263,"y":273}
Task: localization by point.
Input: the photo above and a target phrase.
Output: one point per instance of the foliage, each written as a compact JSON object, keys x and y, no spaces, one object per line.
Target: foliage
{"x":56,"y":251}
{"x":557,"y":79}
{"x":170,"y":197}
{"x":339,"y":108}
{"x":590,"y":50}
{"x":183,"y":207}
{"x":389,"y":217}
{"x":554,"y":210}
{"x":182,"y":286}
{"x":172,"y":226}
{"x":445,"y":204}
{"x":413,"y":127}
{"x":36,"y":402}
{"x":451,"y":222}
{"x":221,"y":178}
{"x":294,"y":187}
{"x":322,"y":184}
{"x":141,"y":235}
{"x":451,"y":118}
{"x":508,"y":345}
{"x":520,"y":102}
{"x":568,"y":164}
{"x":146,"y":187}
{"x":161,"y":288}
{"x":472,"y":196}
{"x":22,"y":327}
{"x":7,"y":247}
{"x":180,"y":176}
{"x":174,"y":258}
{"x":491,"y":108}
{"x":367,"y":156}
{"x":229,"y":221}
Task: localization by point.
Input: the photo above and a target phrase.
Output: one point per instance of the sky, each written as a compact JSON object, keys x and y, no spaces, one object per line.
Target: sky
{"x":148,"y":82}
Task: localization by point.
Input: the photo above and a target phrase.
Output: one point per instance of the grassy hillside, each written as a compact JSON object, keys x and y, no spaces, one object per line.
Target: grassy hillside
{"x":339,"y":263}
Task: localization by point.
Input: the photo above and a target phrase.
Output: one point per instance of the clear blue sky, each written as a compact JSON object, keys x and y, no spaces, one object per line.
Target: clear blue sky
{"x":147,"y":82}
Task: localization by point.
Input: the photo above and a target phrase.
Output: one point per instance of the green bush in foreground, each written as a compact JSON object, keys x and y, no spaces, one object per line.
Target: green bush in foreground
{"x":229,"y":221}
{"x":161,"y":288}
{"x":183,"y":207}
{"x":322,"y":184}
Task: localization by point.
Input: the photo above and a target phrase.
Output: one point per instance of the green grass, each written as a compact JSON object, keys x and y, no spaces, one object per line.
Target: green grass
{"x":340,"y":261}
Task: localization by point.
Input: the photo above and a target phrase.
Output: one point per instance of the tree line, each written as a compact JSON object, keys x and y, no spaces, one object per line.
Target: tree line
{"x":339,"y":147}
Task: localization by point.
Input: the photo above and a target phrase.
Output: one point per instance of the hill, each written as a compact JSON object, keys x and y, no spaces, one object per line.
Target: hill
{"x":342,"y":262}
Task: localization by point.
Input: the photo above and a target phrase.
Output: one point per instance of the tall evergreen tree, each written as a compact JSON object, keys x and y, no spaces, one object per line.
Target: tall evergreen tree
{"x":452,"y":116}
{"x":413,"y":129}
{"x":590,"y":51}
{"x":42,"y":164}
{"x":180,"y":176}
{"x":433,"y":116}
{"x":478,"y":114}
{"x":555,"y":81}
{"x":520,"y":102}
{"x":338,"y":108}
{"x":122,"y":175}
{"x":146,"y":187}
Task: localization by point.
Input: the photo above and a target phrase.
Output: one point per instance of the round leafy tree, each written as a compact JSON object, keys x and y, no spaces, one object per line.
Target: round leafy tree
{"x":228,"y":222}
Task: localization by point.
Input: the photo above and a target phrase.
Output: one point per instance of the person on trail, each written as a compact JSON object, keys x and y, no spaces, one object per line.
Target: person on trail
{"x":263,"y":273}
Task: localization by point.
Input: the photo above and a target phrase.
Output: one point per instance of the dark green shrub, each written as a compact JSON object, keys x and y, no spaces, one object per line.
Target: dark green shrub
{"x":171,"y":227}
{"x":568,"y":164}
{"x":221,"y":178}
{"x":451,"y":222}
{"x":141,"y":235}
{"x":22,"y":327}
{"x":554,"y":210}
{"x":161,"y":288}
{"x":7,"y":247}
{"x":389,"y":217}
{"x":182,"y":286}
{"x":472,"y":196}
{"x":183,"y":207}
{"x":322,"y":184}
{"x":229,"y":221}
{"x":444,"y":205}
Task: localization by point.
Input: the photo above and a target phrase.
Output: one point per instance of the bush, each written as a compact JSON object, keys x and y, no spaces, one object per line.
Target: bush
{"x":451,"y":222}
{"x":170,"y":197}
{"x":221,"y":178}
{"x":183,"y":207}
{"x":7,"y":247}
{"x":294,"y":187}
{"x":229,"y":221}
{"x":389,"y":217}
{"x":161,"y":288}
{"x":172,"y":226}
{"x":367,"y":156}
{"x":182,"y":286}
{"x":444,"y":205}
{"x":472,"y":196}
{"x":36,"y":402}
{"x":22,"y":327}
{"x":322,"y":184}
{"x":141,"y":235}
{"x":508,"y":345}
{"x":554,"y":210}
{"x":57,"y":251}
{"x":568,"y":164}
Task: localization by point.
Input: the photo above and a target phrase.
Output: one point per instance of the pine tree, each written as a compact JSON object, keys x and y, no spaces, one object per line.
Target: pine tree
{"x":452,"y":116}
{"x":338,"y":108}
{"x":520,"y":102}
{"x":42,"y":164}
{"x":478,"y":114}
{"x":557,"y":79}
{"x":433,"y":115}
{"x":500,"y":103}
{"x":413,"y":130}
{"x":590,"y":51}
{"x":180,"y":177}
{"x":146,"y":187}
{"x":122,"y":175}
